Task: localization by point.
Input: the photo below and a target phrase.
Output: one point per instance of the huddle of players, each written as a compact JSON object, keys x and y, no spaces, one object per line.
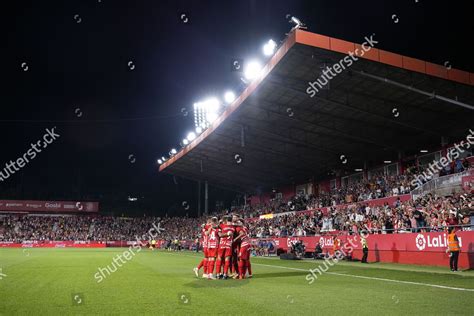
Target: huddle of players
{"x":226,"y":246}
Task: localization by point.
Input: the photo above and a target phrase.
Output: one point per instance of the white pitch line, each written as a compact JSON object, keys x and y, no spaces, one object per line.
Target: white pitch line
{"x":358,"y":276}
{"x":373,"y":278}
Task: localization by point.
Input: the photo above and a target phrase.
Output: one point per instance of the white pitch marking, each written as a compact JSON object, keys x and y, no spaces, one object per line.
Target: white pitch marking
{"x":373,"y":278}
{"x":358,"y":276}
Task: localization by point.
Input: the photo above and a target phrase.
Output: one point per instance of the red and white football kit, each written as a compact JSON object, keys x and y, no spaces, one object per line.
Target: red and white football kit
{"x":212,"y":246}
{"x":225,"y":247}
{"x":204,"y":239}
{"x":212,"y":242}
{"x":225,"y":242}
{"x":203,"y":264}
{"x":244,"y":251}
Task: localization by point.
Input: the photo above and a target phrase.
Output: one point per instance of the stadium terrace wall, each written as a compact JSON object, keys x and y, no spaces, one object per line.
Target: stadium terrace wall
{"x":406,"y":248}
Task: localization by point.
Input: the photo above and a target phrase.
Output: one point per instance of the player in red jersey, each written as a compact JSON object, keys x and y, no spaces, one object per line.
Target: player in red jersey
{"x":212,"y":246}
{"x":234,"y":260}
{"x":226,"y":234}
{"x":204,"y":262}
{"x":244,"y":251}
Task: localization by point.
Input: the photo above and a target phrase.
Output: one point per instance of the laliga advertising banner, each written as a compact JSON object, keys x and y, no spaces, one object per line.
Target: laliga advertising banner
{"x":406,"y":248}
{"x":48,"y":206}
{"x":52,"y":244}
{"x":421,"y":242}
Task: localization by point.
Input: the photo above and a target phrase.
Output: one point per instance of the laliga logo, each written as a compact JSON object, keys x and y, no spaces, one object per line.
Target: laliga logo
{"x":326,"y":242}
{"x":79,"y":206}
{"x":431,"y":241}
{"x":420,"y":242}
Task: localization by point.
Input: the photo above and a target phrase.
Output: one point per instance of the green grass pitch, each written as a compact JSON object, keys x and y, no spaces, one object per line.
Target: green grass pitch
{"x":61,"y":282}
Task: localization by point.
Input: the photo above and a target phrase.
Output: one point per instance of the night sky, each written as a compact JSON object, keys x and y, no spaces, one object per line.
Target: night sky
{"x":114,"y":76}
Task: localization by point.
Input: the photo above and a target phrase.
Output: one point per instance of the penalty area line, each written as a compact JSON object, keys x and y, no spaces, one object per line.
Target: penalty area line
{"x":373,"y":278}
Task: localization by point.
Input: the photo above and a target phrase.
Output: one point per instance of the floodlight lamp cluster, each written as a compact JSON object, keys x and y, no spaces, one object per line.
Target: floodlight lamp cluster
{"x":207,"y":111}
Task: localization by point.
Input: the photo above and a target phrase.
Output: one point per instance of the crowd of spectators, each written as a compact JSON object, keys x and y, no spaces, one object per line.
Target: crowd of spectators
{"x":428,"y":213}
{"x":94,"y":228}
{"x":348,"y":211}
{"x":378,"y":186}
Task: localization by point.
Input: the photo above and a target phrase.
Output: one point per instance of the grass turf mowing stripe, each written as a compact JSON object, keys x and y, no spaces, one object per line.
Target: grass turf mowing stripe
{"x":353,"y":276}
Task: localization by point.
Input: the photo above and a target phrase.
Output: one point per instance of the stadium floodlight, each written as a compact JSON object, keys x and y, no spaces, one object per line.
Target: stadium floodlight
{"x":198,"y":130}
{"x":191,"y":136}
{"x":185,"y":141}
{"x":173,"y":152}
{"x":387,"y":161}
{"x":269,"y":48}
{"x":211,"y":117}
{"x":132,"y":199}
{"x":160,"y":161}
{"x":423,"y":151}
{"x":358,"y":170}
{"x":205,"y":112}
{"x":252,"y":70}
{"x":229,"y":97}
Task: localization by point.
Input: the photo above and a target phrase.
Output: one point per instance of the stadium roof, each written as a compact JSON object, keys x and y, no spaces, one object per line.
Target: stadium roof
{"x":274,"y":133}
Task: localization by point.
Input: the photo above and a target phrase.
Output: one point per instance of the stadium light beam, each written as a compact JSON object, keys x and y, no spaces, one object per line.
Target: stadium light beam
{"x":252,"y":70}
{"x":211,"y":117}
{"x":191,"y":136}
{"x":269,"y":48}
{"x":229,"y":97}
{"x":205,"y":112}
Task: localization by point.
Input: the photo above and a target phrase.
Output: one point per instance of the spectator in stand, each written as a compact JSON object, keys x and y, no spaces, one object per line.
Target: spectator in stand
{"x":420,"y":220}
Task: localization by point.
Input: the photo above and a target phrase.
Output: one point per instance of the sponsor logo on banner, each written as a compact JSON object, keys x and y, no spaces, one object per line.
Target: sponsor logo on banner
{"x":291,"y":241}
{"x":14,"y":204}
{"x":52,"y":205}
{"x":326,"y":242}
{"x":441,"y":241}
{"x":420,"y":242}
{"x":34,"y":205}
{"x":48,"y":206}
